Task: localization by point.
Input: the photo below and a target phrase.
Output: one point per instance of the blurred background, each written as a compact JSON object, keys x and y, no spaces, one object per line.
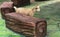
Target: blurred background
{"x":50,"y":10}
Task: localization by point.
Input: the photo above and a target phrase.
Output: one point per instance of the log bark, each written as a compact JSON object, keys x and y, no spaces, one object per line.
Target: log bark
{"x":32,"y":1}
{"x":6,"y":7}
{"x":20,"y":3}
{"x":26,"y":25}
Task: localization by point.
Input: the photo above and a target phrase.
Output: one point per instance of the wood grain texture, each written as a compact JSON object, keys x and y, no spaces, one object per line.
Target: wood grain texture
{"x":6,"y":7}
{"x":26,"y":25}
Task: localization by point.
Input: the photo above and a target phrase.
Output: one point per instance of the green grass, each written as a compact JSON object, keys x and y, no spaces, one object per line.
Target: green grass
{"x":50,"y":12}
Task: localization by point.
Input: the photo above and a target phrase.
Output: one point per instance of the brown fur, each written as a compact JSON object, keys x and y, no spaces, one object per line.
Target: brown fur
{"x":27,"y":11}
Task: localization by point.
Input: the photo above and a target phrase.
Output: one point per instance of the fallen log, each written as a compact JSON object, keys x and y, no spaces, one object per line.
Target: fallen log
{"x":20,"y":3}
{"x":26,"y":25}
{"x":6,"y":7}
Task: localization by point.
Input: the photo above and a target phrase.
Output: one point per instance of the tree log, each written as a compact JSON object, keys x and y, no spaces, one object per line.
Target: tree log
{"x":20,"y":3}
{"x":6,"y":7}
{"x":26,"y":25}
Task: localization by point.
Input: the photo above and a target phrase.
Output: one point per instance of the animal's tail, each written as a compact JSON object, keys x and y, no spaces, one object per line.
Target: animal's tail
{"x":15,"y":8}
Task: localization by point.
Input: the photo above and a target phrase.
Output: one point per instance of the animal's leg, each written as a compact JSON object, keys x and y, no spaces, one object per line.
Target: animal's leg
{"x":31,"y":14}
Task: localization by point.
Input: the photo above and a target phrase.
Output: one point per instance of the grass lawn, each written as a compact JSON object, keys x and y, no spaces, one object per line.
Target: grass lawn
{"x":50,"y":10}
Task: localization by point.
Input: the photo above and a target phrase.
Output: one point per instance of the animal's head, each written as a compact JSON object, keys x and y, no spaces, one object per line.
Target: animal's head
{"x":37,"y":8}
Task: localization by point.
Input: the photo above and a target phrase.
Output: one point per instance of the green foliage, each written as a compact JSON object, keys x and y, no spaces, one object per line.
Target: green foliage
{"x":55,"y":34}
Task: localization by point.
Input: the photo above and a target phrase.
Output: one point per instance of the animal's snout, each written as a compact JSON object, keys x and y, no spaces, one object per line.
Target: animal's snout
{"x":38,"y":9}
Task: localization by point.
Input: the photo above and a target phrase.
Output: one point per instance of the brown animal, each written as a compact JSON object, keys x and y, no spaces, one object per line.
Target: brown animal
{"x":27,"y":11}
